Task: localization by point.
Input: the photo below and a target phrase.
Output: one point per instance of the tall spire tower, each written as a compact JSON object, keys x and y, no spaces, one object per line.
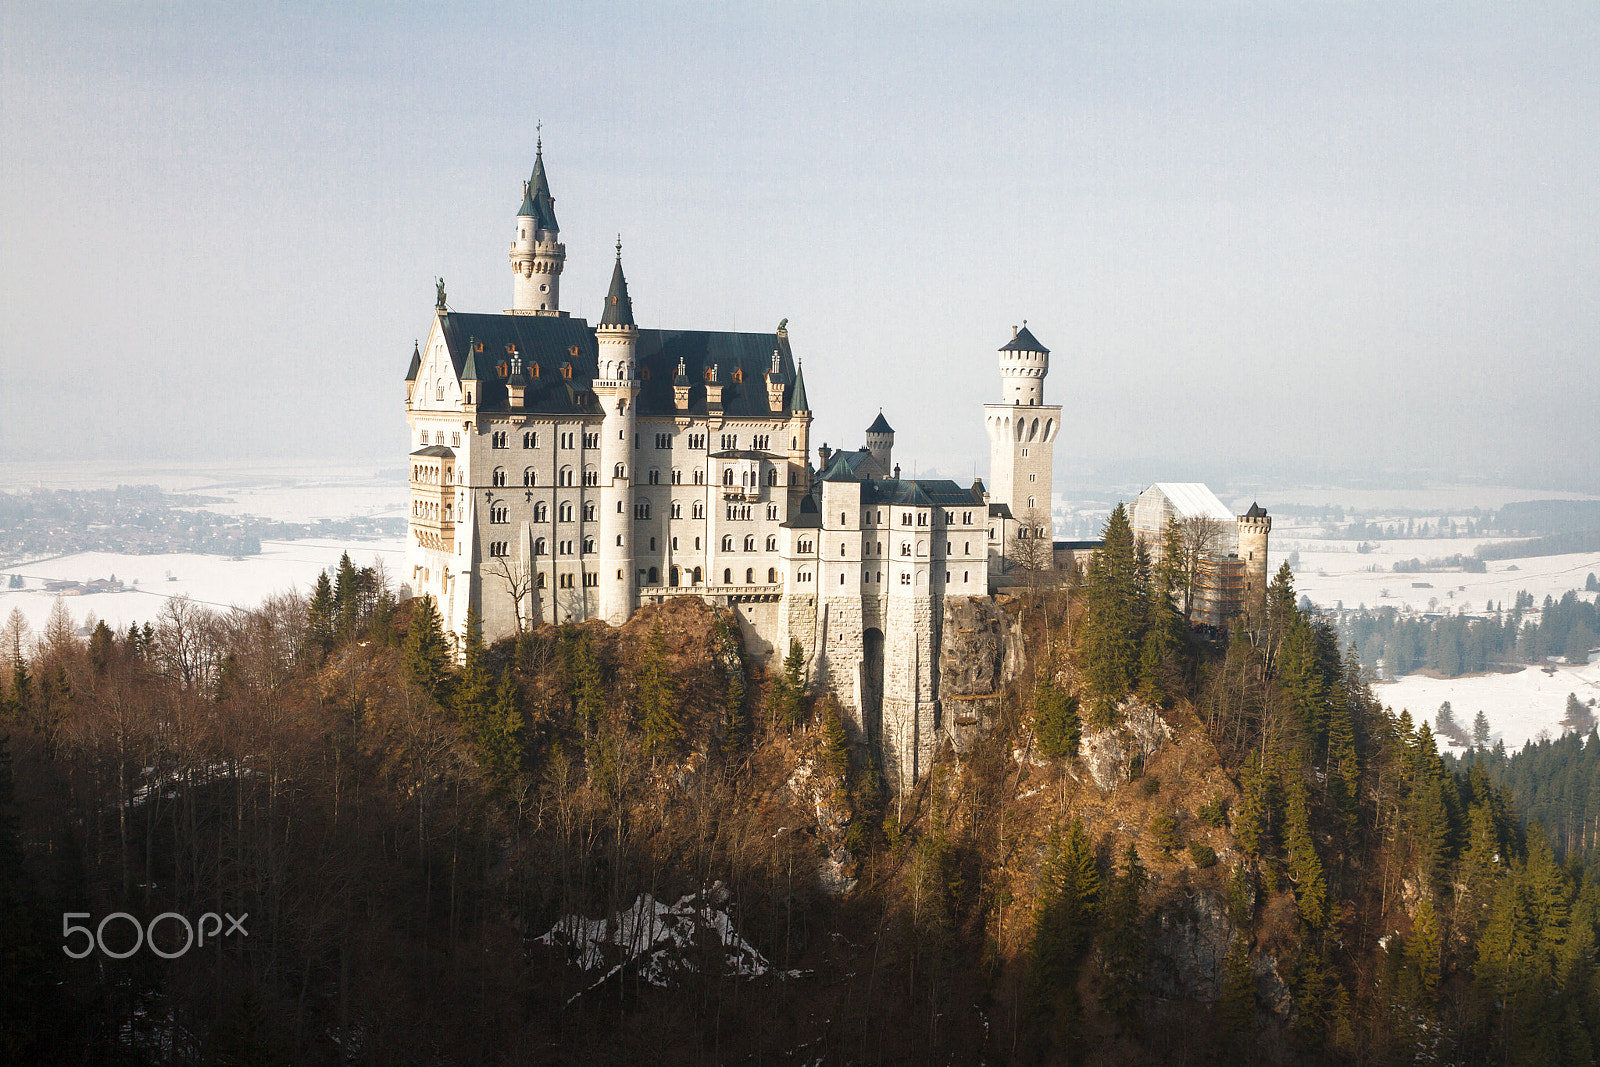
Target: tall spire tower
{"x":617,"y":390}
{"x":537,"y":254}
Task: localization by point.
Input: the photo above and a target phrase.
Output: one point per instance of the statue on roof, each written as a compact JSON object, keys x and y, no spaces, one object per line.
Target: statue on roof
{"x":439,"y":286}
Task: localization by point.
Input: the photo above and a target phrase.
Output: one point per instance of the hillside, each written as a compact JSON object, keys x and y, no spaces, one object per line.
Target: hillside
{"x":621,"y":845}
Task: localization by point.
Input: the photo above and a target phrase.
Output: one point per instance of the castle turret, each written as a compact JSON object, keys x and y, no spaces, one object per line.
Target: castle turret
{"x":537,"y":254}
{"x":880,"y":442}
{"x":1254,"y":527}
{"x":800,"y":436}
{"x":617,"y":389}
{"x":1023,"y":364}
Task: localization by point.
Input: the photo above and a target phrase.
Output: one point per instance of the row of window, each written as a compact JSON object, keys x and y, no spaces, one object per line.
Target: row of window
{"x":565,"y":475}
{"x":591,"y":439}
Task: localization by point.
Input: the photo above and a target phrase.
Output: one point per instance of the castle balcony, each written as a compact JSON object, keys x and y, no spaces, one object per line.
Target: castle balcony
{"x":718,"y":595}
{"x":435,"y":534}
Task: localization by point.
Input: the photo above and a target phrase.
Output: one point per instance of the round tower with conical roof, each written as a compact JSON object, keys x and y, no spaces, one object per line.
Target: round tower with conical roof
{"x":617,"y":389}
{"x":537,"y":254}
{"x":880,"y":442}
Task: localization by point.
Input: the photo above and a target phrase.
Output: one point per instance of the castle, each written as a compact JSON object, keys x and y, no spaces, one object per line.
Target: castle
{"x":564,"y":472}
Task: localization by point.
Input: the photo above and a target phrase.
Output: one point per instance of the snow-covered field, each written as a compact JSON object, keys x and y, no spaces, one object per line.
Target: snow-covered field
{"x":1519,"y":706}
{"x":218,"y":581}
{"x":1333,"y":573}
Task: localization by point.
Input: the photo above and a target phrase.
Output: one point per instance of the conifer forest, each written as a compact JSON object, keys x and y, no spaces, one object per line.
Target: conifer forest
{"x":587,"y":844}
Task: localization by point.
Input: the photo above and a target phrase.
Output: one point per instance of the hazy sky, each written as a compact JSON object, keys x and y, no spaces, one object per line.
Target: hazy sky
{"x":1281,"y":237}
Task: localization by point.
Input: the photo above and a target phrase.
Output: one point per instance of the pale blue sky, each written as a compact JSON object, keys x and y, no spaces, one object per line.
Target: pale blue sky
{"x":1254,"y":236}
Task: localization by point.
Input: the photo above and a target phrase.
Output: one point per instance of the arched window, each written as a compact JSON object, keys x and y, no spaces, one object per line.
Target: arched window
{"x":727,"y":475}
{"x":727,"y":576}
{"x":772,"y":543}
{"x":749,"y":576}
{"x":588,"y":544}
{"x":619,"y":471}
{"x":566,"y":476}
{"x":672,"y":576}
{"x":539,"y":581}
{"x":772,"y":476}
{"x":439,"y":394}
{"x":541,"y":512}
{"x":655,"y":576}
{"x":589,"y":511}
{"x":727,"y":543}
{"x":538,"y":546}
{"x":699,"y":477}
{"x":498,"y":478}
{"x":772,"y":575}
{"x":529,"y":477}
{"x":564,"y":512}
{"x":697,"y":576}
{"x":750,"y":543}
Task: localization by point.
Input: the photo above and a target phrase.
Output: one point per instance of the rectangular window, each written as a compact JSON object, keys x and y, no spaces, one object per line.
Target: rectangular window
{"x":730,"y":441}
{"x":499,"y":439}
{"x":568,"y":438}
{"x":663,"y":440}
{"x":591,"y":440}
{"x":697,"y":441}
{"x":641,"y":510}
{"x":530,"y":439}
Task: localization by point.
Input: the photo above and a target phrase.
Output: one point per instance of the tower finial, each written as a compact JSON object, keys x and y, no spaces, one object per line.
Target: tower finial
{"x":538,"y":144}
{"x":619,"y":248}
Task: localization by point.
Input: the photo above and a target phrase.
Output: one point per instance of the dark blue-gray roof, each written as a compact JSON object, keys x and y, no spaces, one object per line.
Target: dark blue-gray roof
{"x":880,"y":425}
{"x":1024,"y":341}
{"x":619,"y":308}
{"x":559,"y":357}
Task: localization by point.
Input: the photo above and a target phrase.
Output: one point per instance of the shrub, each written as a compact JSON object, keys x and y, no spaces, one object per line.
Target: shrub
{"x":1203,"y":855}
{"x":1150,"y":786}
{"x":1164,"y":832}
{"x":1215,"y":811}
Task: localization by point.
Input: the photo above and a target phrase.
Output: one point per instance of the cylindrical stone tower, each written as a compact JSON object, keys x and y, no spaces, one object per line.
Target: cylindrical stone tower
{"x":1254,"y":527}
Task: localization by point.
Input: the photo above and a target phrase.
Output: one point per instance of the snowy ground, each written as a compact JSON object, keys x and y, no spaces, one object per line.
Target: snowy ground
{"x":1334,"y":574}
{"x":218,"y":581}
{"x":1520,"y":706}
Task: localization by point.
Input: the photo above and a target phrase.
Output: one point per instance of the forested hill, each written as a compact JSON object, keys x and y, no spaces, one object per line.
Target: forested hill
{"x":624,"y":845}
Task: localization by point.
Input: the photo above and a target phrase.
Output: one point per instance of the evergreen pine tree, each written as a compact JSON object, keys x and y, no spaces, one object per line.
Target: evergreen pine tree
{"x":1305,"y":866}
{"x":1422,"y":952}
{"x":1063,"y":923}
{"x":320,"y":620}
{"x":499,"y":731}
{"x":1055,"y":718}
{"x":346,"y":598}
{"x":588,"y":685}
{"x":473,"y":690}
{"x":1109,"y":634}
{"x":1236,"y":1004}
{"x":1123,"y":941}
{"x":427,"y":654}
{"x":1480,"y":731}
{"x":659,"y":717}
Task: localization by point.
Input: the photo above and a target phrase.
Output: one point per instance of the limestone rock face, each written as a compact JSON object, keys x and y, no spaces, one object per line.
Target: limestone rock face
{"x":1189,"y":947}
{"x":1109,"y":755}
{"x":981,"y":651}
{"x":836,"y":870}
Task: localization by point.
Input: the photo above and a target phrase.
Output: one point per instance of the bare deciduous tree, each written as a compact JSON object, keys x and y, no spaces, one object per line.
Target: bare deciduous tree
{"x":518,"y":579}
